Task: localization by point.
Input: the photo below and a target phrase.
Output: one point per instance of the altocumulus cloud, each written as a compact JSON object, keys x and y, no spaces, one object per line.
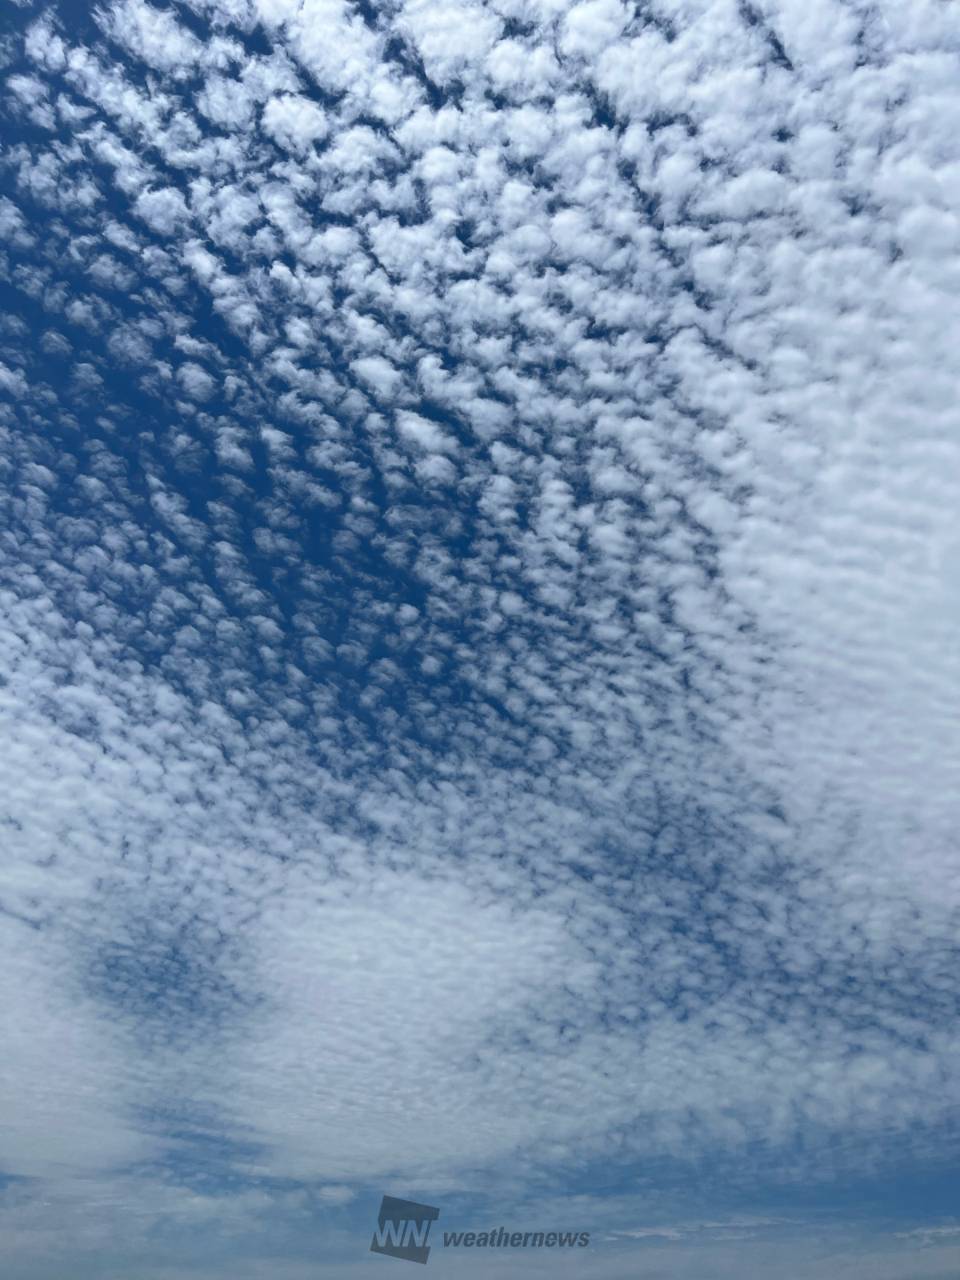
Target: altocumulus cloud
{"x":480,"y":589}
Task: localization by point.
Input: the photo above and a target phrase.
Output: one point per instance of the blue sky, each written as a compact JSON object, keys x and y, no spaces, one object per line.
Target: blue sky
{"x":478,"y":607}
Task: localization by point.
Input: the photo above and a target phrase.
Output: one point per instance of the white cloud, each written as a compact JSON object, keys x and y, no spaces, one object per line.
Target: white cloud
{"x":294,"y":121}
{"x":152,"y":34}
{"x":424,"y":434}
{"x":196,"y":382}
{"x":163,"y":210}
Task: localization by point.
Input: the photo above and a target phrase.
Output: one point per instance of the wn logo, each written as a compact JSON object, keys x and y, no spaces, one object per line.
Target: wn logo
{"x":402,"y":1229}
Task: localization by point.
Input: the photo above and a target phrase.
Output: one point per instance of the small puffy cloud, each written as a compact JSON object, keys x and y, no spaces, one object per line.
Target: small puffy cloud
{"x":379,"y":374}
{"x":294,"y":122}
{"x":12,"y":225}
{"x":424,"y":434}
{"x":152,"y":34}
{"x":756,"y":192}
{"x":226,"y":102}
{"x":164,"y":210}
{"x":44,"y":45}
{"x":436,"y":469}
{"x":592,"y":25}
{"x":451,"y":38}
{"x":195,"y":380}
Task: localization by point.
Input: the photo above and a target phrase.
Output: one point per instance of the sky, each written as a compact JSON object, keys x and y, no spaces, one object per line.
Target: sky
{"x":479,"y":598}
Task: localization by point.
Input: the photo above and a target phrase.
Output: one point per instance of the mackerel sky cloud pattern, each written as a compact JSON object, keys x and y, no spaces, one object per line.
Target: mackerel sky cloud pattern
{"x":479,"y":597}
